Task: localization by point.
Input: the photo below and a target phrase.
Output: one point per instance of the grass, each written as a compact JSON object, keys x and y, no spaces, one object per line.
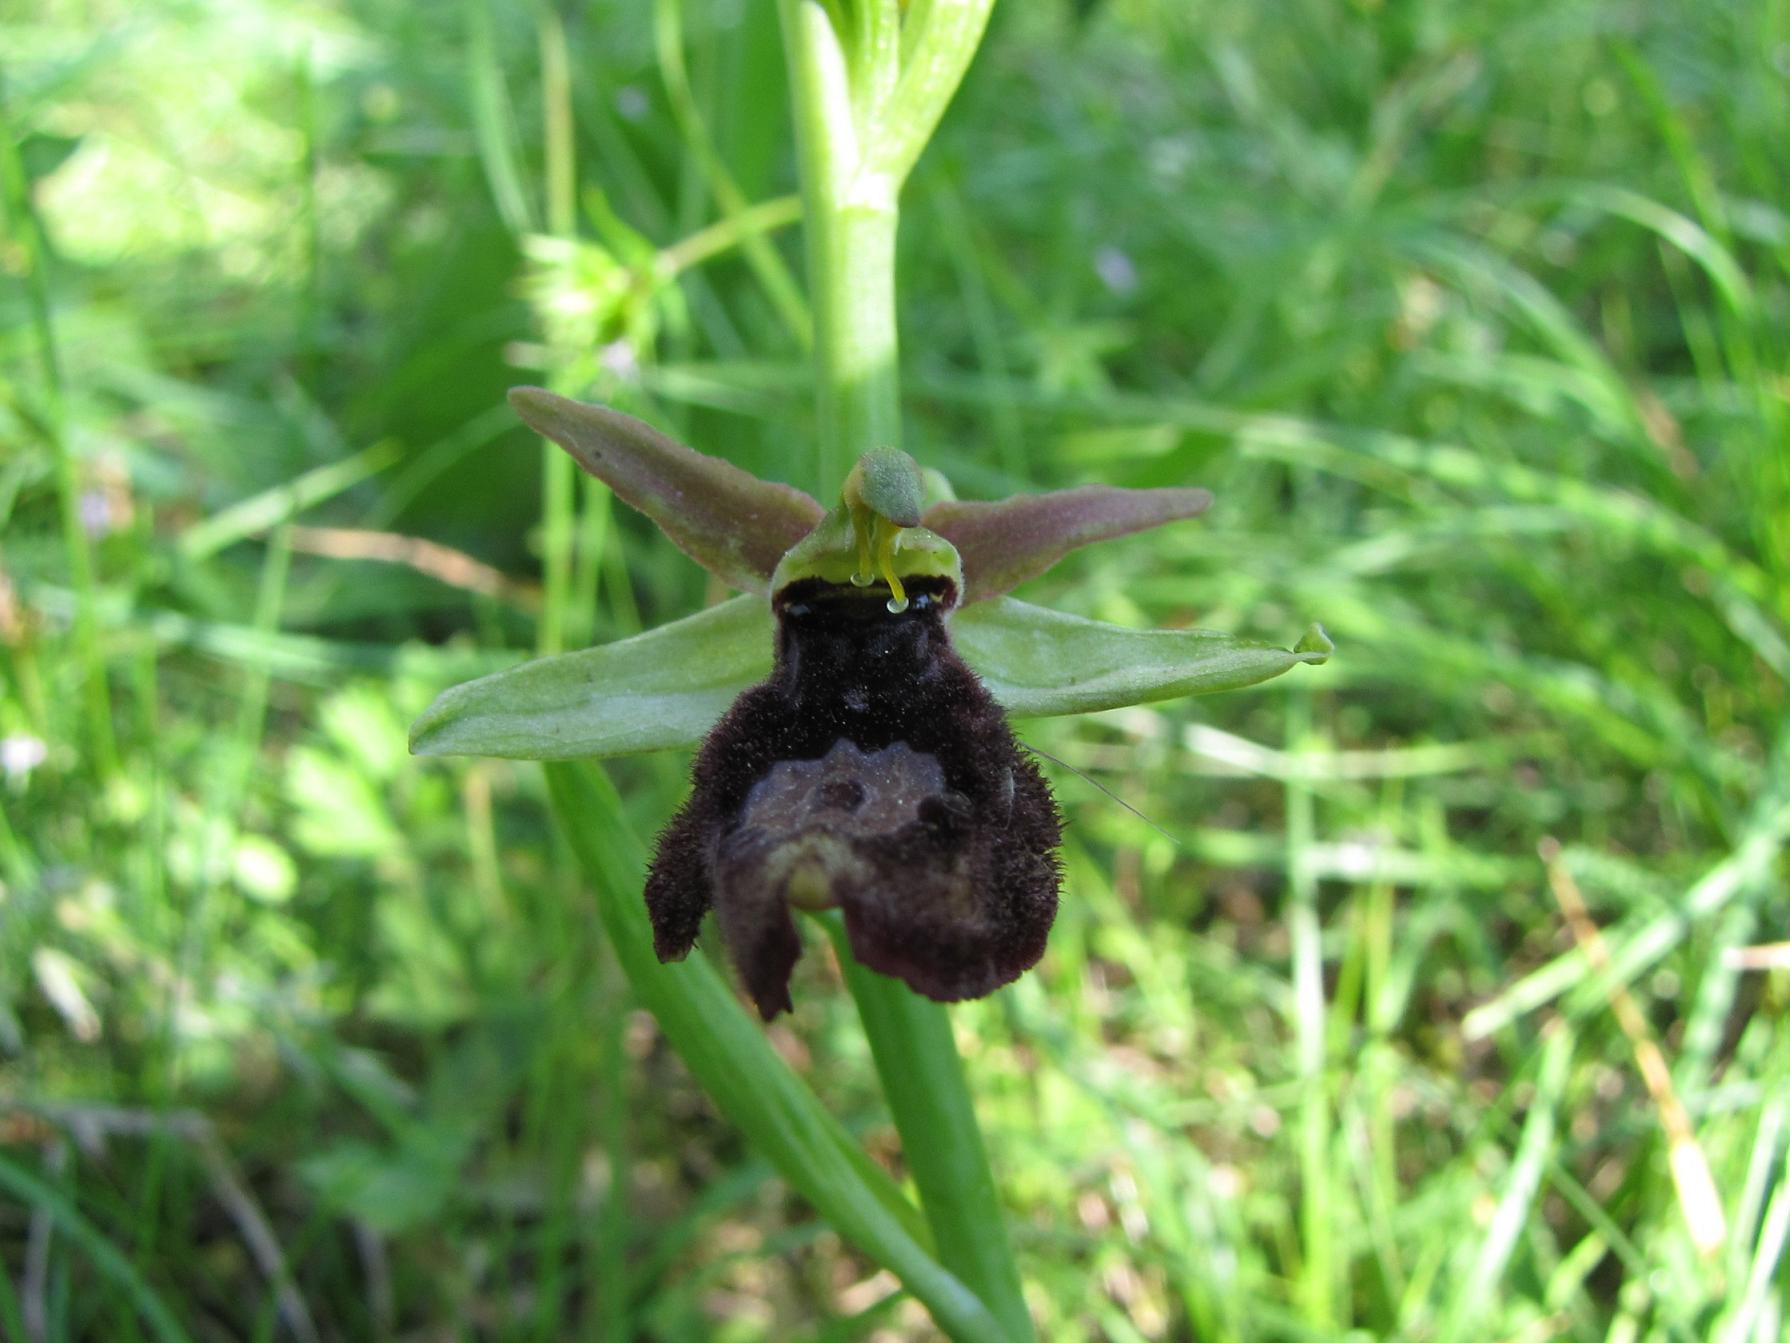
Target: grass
{"x":1473,"y":319}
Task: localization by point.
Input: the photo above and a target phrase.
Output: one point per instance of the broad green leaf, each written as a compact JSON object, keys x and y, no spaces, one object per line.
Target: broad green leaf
{"x":730,"y":522}
{"x":1038,"y":662}
{"x":1007,"y":541}
{"x":664,"y":688}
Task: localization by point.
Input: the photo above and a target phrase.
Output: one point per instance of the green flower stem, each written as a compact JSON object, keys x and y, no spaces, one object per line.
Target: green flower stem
{"x":849,"y":218}
{"x":868,"y":88}
{"x":734,"y":1063}
{"x":857,"y":390}
{"x":922,"y":1076}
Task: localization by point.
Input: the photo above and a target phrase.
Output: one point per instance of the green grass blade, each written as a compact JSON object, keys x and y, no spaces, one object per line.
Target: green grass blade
{"x":492,"y":120}
{"x":1522,"y":1186}
{"x":258,"y":512}
{"x":25,"y":229}
{"x":101,"y":1253}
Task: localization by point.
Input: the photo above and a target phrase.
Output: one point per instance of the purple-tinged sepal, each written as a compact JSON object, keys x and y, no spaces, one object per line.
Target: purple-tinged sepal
{"x":1008,"y":541}
{"x":730,"y":522}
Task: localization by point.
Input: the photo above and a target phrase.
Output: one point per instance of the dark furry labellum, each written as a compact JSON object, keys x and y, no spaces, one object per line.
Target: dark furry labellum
{"x":873,"y":773}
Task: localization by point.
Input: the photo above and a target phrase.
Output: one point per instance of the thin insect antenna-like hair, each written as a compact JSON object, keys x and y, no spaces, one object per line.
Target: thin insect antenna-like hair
{"x":1085,"y":777}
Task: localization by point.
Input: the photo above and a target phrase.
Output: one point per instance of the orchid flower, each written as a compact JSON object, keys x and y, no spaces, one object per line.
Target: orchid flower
{"x":851,"y":707}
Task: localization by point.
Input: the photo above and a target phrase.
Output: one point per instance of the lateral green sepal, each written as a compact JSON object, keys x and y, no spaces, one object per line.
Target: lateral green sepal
{"x":1039,"y":662}
{"x":662,"y":689}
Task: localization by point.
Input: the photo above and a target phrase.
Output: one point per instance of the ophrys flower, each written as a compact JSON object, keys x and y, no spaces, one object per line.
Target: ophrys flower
{"x":855,"y":753}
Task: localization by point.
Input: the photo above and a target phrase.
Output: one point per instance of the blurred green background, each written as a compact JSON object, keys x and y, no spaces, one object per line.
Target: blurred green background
{"x":1474,"y":317}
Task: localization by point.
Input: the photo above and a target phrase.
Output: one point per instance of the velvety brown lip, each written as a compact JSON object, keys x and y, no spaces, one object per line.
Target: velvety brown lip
{"x":871,"y":772}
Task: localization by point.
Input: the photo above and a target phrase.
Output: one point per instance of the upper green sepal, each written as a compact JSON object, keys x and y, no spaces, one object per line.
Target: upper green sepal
{"x":661,"y":689}
{"x":1039,"y":662}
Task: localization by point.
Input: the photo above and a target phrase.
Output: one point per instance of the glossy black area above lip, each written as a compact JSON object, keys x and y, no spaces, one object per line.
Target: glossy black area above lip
{"x":810,"y":597}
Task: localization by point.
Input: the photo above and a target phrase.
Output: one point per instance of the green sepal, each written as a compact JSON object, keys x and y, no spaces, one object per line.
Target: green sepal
{"x":662,"y":689}
{"x":730,"y":522}
{"x":1038,"y":662}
